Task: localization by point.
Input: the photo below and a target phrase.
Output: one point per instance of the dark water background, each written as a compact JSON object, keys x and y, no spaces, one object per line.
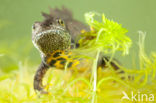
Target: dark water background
{"x":17,"y":17}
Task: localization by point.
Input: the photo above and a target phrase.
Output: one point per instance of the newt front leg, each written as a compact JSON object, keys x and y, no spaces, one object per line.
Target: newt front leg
{"x":42,"y":69}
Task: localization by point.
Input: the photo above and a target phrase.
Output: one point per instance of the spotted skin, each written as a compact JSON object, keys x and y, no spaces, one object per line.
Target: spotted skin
{"x":62,"y":60}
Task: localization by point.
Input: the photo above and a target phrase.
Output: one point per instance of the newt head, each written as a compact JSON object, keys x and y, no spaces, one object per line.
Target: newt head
{"x":50,"y":35}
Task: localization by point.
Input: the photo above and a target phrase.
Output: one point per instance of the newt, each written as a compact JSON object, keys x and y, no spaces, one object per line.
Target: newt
{"x":54,"y":37}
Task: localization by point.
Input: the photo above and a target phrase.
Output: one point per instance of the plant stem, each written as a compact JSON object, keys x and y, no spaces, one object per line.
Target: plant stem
{"x":94,"y":75}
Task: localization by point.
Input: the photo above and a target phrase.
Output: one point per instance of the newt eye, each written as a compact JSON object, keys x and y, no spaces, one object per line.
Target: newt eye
{"x":50,"y":23}
{"x":60,"y":22}
{"x":33,"y":27}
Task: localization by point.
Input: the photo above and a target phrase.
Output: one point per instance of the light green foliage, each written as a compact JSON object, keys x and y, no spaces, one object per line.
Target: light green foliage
{"x":146,"y":73}
{"x":109,"y":35}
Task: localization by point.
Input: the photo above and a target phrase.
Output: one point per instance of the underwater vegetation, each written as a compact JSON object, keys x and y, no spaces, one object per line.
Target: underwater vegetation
{"x":99,"y":86}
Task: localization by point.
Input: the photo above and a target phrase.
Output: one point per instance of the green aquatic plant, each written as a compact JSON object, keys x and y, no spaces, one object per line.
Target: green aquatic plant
{"x":109,"y":36}
{"x":147,"y":70}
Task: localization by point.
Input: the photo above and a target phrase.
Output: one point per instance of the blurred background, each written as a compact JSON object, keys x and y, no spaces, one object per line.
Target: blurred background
{"x":17,"y":17}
